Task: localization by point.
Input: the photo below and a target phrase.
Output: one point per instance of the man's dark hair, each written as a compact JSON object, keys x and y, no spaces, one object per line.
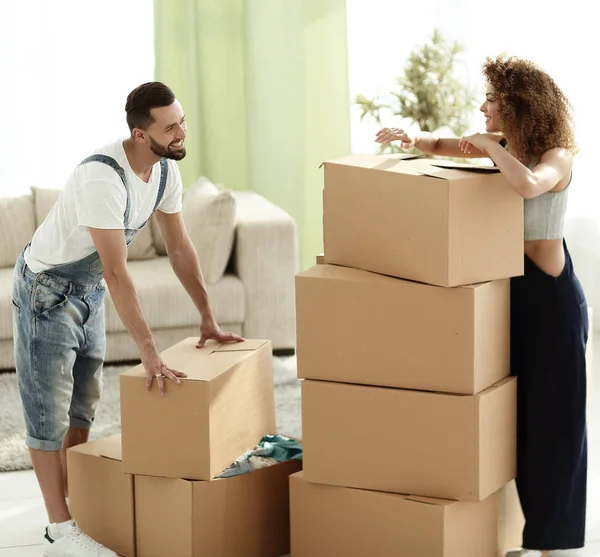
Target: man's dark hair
{"x":143,"y":99}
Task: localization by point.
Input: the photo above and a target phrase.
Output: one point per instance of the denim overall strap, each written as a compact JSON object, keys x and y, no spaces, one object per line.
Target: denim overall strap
{"x":89,"y":270}
{"x":164,"y":171}
{"x":119,"y":170}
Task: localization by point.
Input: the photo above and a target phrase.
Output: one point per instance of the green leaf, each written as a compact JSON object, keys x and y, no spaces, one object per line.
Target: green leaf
{"x":430,"y":92}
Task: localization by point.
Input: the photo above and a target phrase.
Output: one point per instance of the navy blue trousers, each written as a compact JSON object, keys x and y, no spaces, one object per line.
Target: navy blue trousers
{"x":549,"y":330}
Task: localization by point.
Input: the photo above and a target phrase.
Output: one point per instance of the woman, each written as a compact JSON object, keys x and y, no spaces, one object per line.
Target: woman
{"x":530,"y":139}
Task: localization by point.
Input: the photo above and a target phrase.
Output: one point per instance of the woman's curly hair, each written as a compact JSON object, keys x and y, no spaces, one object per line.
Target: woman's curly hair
{"x":535,"y":114}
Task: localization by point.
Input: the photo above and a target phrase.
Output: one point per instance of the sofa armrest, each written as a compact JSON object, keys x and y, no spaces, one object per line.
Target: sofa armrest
{"x":265,"y":257}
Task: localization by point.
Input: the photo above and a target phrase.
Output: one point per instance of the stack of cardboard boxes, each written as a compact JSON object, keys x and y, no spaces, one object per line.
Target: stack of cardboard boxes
{"x":151,"y":492}
{"x":403,"y":345}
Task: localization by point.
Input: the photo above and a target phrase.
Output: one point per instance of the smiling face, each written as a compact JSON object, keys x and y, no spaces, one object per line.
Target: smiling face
{"x":156,"y":120}
{"x":490,"y":111}
{"x":168,"y":132}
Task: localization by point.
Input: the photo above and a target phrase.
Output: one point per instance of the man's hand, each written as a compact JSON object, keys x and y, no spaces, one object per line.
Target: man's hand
{"x":209,"y":330}
{"x":156,"y":369}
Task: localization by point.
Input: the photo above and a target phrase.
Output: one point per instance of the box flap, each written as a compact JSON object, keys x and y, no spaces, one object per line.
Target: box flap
{"x":108,"y":447}
{"x":496,"y":386}
{"x":434,"y":501}
{"x":430,"y":500}
{"x":246,"y":345}
{"x":440,"y":174}
{"x":299,"y":476}
{"x":403,"y":165}
{"x":337,"y":272}
{"x":371,"y":160}
{"x":455,"y":171}
{"x":403,"y":156}
{"x":478,"y":168}
{"x":202,"y":364}
{"x":417,"y":165}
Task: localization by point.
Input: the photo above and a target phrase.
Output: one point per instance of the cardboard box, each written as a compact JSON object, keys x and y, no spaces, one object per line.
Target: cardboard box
{"x":101,"y":495}
{"x":431,"y":444}
{"x":244,"y":515}
{"x":320,"y":259}
{"x":328,"y":520}
{"x":224,"y":408}
{"x":413,"y":220}
{"x":358,"y":327}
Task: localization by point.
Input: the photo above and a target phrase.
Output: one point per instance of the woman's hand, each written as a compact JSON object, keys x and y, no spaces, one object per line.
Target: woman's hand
{"x":477,"y":140}
{"x":387,"y":135}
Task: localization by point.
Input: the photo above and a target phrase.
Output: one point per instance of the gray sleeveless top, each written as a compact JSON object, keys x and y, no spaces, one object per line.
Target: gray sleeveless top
{"x":544,"y":215}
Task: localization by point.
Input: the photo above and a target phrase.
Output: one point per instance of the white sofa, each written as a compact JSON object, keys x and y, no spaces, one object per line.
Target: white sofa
{"x":248,"y":249}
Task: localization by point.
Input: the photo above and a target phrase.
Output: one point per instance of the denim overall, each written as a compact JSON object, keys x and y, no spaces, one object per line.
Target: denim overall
{"x":60,"y":339}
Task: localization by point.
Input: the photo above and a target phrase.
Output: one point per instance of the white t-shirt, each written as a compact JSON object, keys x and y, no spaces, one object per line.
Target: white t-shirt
{"x":94,"y":196}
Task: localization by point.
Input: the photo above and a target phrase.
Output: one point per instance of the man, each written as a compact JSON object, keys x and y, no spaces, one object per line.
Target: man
{"x":58,"y":294}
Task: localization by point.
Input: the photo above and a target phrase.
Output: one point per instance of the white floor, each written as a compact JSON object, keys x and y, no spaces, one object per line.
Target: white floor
{"x":23,"y":517}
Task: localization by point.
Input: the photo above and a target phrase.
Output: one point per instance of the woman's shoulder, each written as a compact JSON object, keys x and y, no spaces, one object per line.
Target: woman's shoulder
{"x":557,"y":155}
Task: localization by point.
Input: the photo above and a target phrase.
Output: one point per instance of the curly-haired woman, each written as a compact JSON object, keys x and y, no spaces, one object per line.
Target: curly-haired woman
{"x":530,"y":139}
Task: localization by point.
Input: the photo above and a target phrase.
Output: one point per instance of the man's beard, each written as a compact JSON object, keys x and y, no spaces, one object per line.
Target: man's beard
{"x":166,"y":152}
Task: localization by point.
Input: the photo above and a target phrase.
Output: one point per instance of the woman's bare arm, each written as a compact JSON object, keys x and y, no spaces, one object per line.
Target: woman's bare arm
{"x":431,"y":144}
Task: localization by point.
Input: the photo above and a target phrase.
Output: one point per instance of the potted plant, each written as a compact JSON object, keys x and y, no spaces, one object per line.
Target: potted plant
{"x":430,"y":92}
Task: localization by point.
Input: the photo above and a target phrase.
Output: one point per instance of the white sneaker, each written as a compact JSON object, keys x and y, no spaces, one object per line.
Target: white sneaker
{"x":67,"y":540}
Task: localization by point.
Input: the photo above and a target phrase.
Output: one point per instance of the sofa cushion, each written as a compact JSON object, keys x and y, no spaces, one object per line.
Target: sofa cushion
{"x":43,"y":199}
{"x":164,"y":301}
{"x":141,"y":248}
{"x":210,"y":219}
{"x":17,"y":225}
{"x":166,"y":304}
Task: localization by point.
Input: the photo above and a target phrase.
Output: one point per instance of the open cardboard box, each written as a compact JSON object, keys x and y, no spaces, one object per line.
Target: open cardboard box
{"x":148,"y":516}
{"x":243,"y":515}
{"x":414,"y":219}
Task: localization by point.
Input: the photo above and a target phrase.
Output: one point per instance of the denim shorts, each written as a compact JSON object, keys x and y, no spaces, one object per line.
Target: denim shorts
{"x":60,"y":345}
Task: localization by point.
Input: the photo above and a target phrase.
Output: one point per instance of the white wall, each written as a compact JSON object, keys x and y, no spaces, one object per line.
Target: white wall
{"x":559,"y":37}
{"x":382,"y":33}
{"x":66,"y":68}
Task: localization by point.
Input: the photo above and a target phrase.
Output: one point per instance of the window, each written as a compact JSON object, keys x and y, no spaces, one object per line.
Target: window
{"x":382,"y":34}
{"x":560,"y":38}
